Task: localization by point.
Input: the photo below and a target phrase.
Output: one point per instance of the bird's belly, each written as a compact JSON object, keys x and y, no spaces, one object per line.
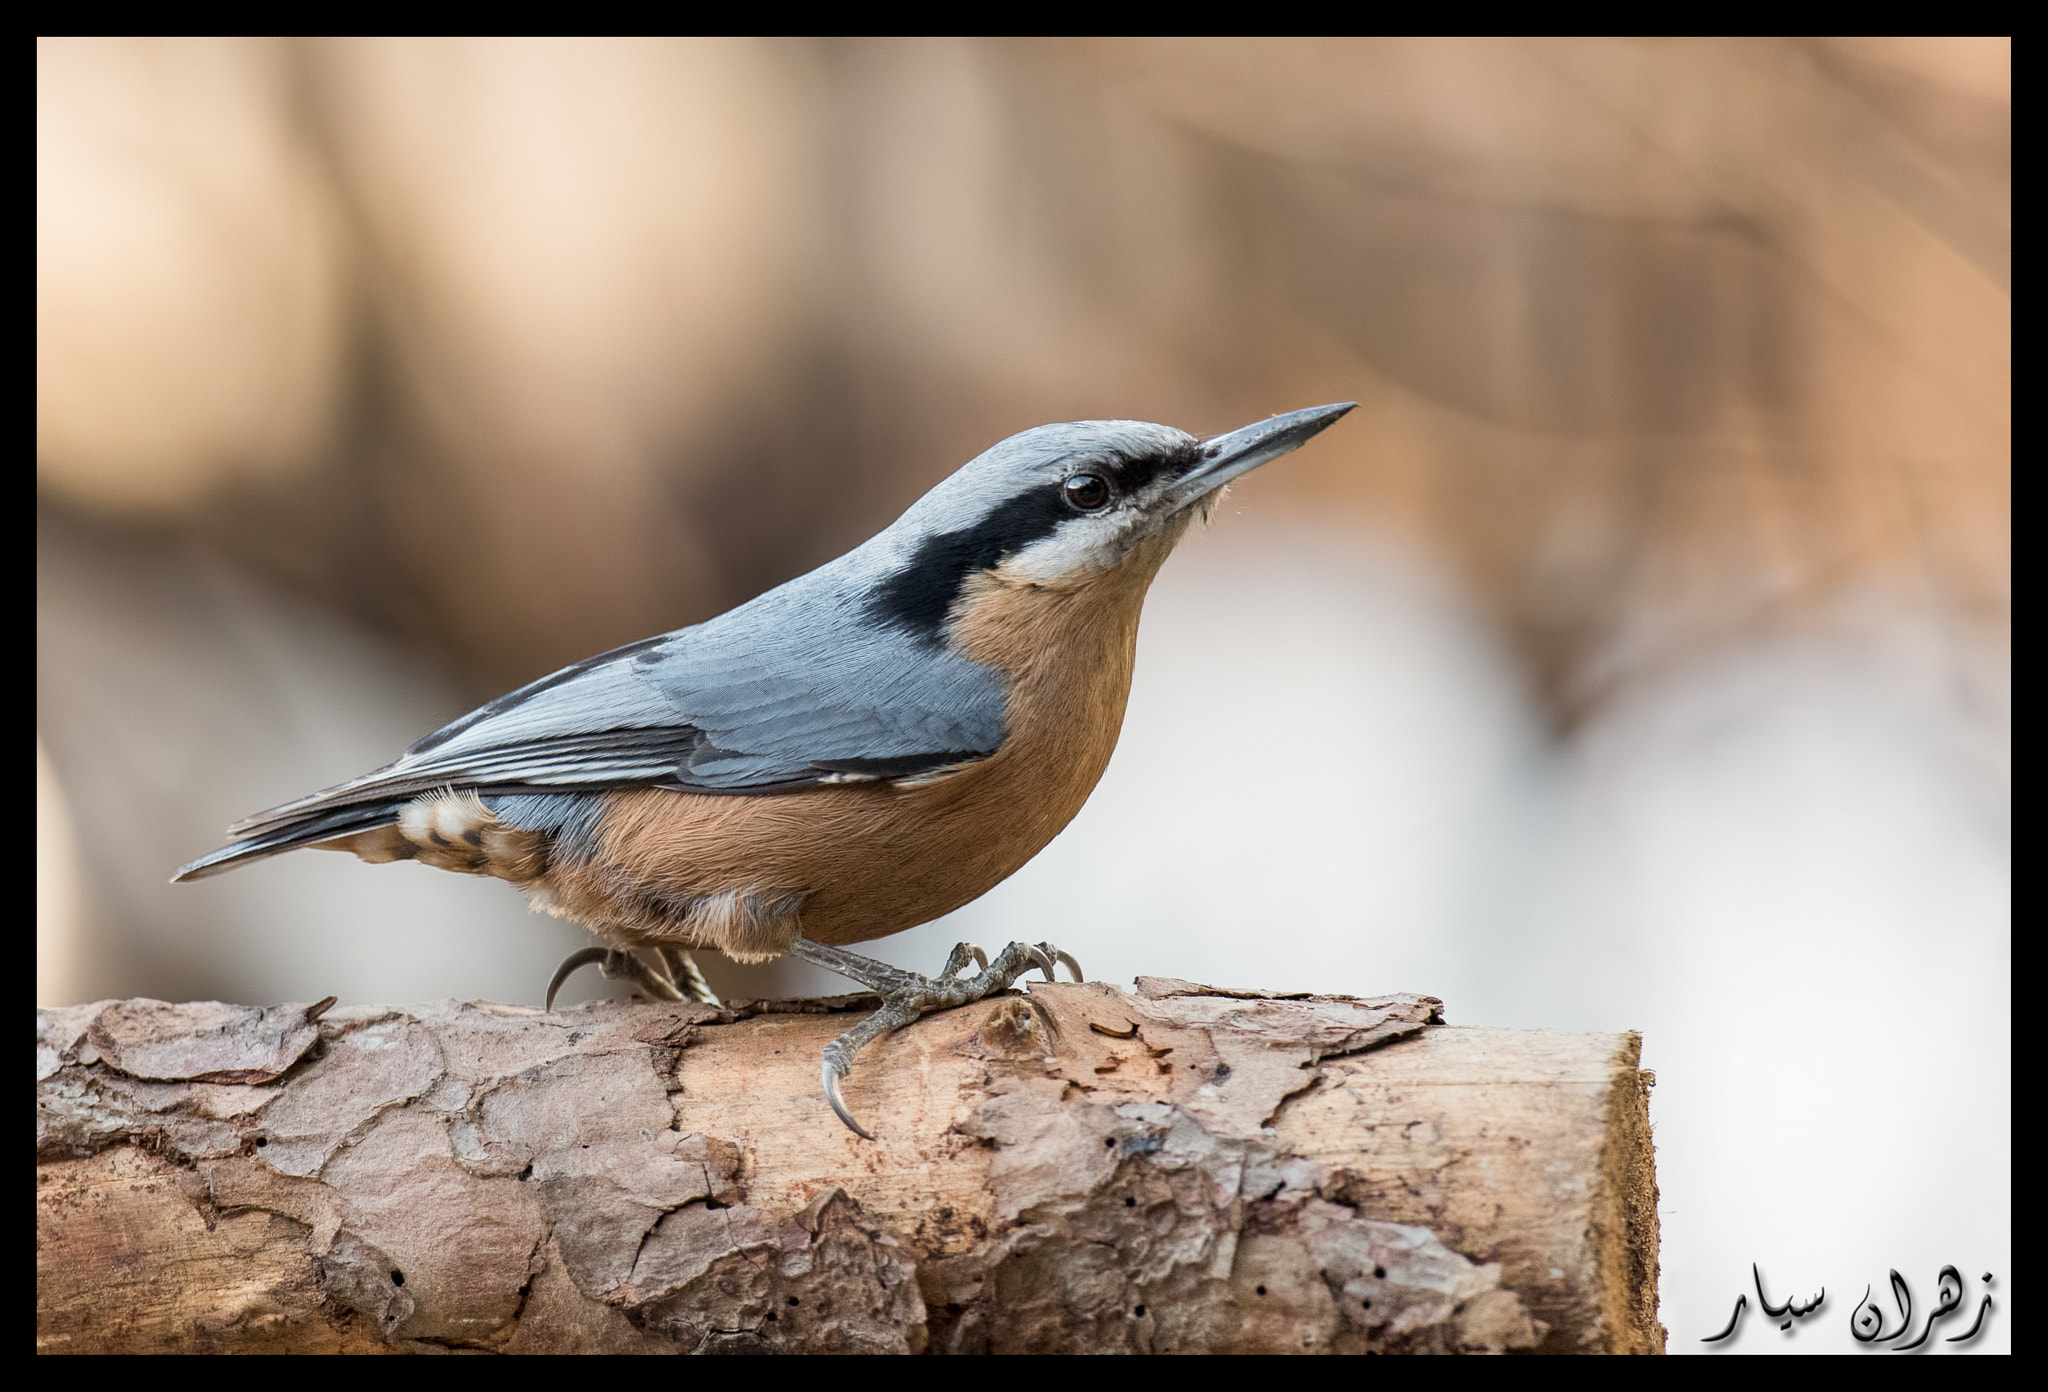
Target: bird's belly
{"x":853,"y":862}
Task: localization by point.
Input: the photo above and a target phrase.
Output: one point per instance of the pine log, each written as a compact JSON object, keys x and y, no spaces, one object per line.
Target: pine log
{"x":1176,"y":1169}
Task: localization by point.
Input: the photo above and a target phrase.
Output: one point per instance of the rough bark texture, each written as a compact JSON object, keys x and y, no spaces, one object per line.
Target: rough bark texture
{"x":1181,"y":1169}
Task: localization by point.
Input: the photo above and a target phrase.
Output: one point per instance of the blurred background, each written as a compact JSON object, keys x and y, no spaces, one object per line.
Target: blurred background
{"x":1641,"y":644}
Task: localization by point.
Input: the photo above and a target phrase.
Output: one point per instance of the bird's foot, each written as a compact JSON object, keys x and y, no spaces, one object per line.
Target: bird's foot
{"x":907,"y":996}
{"x":676,"y":978}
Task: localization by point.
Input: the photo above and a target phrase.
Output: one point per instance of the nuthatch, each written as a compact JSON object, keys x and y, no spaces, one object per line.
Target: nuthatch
{"x":851,"y":754}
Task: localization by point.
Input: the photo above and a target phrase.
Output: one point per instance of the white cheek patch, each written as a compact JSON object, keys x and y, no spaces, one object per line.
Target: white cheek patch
{"x":1081,"y":547}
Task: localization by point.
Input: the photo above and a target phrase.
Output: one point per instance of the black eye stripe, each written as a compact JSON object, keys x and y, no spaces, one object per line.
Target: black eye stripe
{"x":1132,"y":474}
{"x":918,"y":597}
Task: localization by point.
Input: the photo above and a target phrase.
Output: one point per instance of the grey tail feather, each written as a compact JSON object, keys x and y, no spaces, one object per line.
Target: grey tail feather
{"x":304,"y":831}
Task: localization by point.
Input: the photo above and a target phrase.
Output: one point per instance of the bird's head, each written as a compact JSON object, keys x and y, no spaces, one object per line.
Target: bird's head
{"x":1063,"y":506}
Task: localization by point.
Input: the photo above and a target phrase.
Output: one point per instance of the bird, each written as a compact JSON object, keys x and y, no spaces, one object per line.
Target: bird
{"x":855,"y":752}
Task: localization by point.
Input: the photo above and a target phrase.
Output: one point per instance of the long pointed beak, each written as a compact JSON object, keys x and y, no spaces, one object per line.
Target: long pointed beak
{"x":1225,"y":457}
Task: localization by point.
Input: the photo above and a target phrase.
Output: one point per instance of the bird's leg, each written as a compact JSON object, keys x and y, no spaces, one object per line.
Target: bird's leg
{"x":677,"y":978}
{"x":683,"y":974}
{"x":907,"y":996}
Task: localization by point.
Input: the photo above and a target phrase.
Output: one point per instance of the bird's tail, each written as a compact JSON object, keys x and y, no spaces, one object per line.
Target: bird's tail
{"x":308,"y":829}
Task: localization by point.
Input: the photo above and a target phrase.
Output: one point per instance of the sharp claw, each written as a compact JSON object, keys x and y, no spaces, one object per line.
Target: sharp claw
{"x":656,"y":984}
{"x":685,"y":976}
{"x":570,"y":966}
{"x":1072,"y":965}
{"x":831,"y":1079}
{"x":694,"y":983}
{"x":666,"y":960}
{"x":907,"y":997}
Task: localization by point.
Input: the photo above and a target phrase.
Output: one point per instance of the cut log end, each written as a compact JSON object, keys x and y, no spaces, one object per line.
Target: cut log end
{"x":1180,"y":1168}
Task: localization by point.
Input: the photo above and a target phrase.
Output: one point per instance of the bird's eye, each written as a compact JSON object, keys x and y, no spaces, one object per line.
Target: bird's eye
{"x":1086,"y":492}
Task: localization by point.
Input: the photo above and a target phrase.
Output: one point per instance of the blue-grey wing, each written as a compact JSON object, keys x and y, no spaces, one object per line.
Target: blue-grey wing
{"x":789,"y":691}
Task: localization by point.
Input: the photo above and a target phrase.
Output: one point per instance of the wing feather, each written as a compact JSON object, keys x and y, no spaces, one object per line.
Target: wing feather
{"x":789,"y":691}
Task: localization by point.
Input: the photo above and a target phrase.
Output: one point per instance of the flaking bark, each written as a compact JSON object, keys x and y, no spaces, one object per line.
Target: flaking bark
{"x":1182,"y":1168}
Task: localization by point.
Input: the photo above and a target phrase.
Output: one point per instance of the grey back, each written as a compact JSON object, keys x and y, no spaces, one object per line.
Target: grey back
{"x":812,"y":682}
